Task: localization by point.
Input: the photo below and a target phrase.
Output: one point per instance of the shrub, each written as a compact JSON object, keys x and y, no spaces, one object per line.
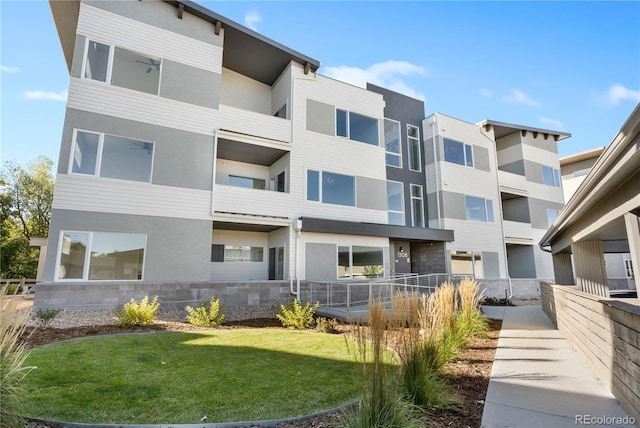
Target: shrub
{"x":133,"y":313}
{"x":296,"y":315}
{"x":471,"y":320}
{"x":45,"y":316}
{"x":325,"y":325}
{"x":12,"y":357}
{"x":204,"y":316}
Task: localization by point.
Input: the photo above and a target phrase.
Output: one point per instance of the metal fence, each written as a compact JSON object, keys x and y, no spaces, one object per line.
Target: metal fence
{"x":23,"y":285}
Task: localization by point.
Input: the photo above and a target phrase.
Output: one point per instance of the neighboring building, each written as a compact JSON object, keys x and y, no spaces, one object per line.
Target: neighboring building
{"x":498,"y":186}
{"x":574,"y":170}
{"x":196,"y":152}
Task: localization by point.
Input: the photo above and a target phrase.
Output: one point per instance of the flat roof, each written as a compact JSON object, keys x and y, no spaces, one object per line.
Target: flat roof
{"x":578,"y":157}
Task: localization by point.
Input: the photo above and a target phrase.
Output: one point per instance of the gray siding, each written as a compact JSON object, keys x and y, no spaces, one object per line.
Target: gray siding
{"x":549,"y":144}
{"x":533,"y":171}
{"x":177,"y":249}
{"x":514,"y":167}
{"x":78,"y":56}
{"x":181,"y":159}
{"x":453,"y":205}
{"x":538,"y":211}
{"x":521,"y":261}
{"x":481,"y":158}
{"x":371,"y":193}
{"x":192,"y":85}
{"x":162,"y":15}
{"x":321,"y":261}
{"x":491,"y":265}
{"x":321,"y":117}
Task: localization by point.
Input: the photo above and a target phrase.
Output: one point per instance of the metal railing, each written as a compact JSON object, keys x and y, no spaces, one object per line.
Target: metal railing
{"x":24,"y":285}
{"x":350,"y":293}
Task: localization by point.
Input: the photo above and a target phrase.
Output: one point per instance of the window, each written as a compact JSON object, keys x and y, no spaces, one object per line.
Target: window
{"x":357,"y":127}
{"x":334,"y":188}
{"x":108,"y":156}
{"x":360,"y":262}
{"x":467,"y":263}
{"x":417,"y":206}
{"x":392,"y":143}
{"x":550,"y":176}
{"x":458,"y":153}
{"x":395,"y":202}
{"x":246,"y":182}
{"x":479,"y":209}
{"x":121,"y":67}
{"x":242,"y":253}
{"x":100,"y":256}
{"x":278,"y":182}
{"x":552,"y":215}
{"x":628,"y":268}
{"x":413,"y":146}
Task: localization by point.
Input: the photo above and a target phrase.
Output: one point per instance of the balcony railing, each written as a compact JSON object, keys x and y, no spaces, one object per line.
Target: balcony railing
{"x":249,"y":122}
{"x":256,"y":202}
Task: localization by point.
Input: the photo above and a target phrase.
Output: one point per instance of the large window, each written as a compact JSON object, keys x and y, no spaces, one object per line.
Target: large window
{"x":395,"y":202}
{"x":121,"y":67}
{"x":242,"y":253}
{"x":112,"y":157}
{"x":550,"y":176}
{"x":359,"y":262}
{"x":331,"y":188}
{"x":417,"y":206}
{"x":100,"y":256}
{"x":357,"y":127}
{"x":413,"y":146}
{"x":392,"y":143}
{"x":458,"y":153}
{"x":467,"y":263}
{"x":479,"y":209}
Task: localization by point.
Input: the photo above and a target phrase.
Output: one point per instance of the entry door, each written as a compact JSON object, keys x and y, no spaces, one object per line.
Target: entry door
{"x":276,"y":263}
{"x":401,"y":257}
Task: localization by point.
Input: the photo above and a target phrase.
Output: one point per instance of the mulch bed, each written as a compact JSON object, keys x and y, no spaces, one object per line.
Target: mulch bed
{"x":468,"y":376}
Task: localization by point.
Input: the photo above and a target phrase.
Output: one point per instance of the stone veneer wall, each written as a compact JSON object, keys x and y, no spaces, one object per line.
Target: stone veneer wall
{"x":606,"y":332}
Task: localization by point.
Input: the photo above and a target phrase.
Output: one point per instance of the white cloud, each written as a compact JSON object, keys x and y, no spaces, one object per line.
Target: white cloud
{"x":619,"y":93}
{"x":45,"y":95}
{"x":251,"y":19}
{"x":7,"y":69}
{"x":485,"y":92}
{"x":386,"y":74}
{"x":555,"y":124}
{"x":516,"y":96}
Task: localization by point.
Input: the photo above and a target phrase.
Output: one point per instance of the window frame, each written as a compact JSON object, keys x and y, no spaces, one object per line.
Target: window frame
{"x":100,"y":153}
{"x":555,"y":176}
{"x":320,"y":200}
{"x":388,"y":153}
{"x":347,"y":125}
{"x":251,"y":249}
{"x":349,"y":277}
{"x":110,"y":62}
{"x":421,"y":199}
{"x":467,"y":153}
{"x":412,"y":162}
{"x":487,"y":204}
{"x":628,"y":269}
{"x":87,"y":256}
{"x":390,"y":211}
{"x":549,"y":211}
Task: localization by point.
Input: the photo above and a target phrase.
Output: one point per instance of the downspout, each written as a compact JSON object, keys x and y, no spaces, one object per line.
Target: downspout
{"x":213,"y":178}
{"x":296,"y":224}
{"x":504,"y":244}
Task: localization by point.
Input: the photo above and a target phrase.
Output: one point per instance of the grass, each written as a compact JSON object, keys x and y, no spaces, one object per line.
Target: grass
{"x":169,"y":378}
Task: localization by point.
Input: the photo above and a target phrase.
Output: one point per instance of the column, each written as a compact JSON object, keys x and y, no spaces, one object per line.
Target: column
{"x":562,"y":269}
{"x":632,"y":223}
{"x":591,"y":275}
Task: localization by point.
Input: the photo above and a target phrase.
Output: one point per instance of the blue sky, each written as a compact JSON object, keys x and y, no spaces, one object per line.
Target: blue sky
{"x":569,"y":66}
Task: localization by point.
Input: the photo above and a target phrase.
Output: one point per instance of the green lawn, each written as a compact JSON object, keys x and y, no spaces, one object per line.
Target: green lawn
{"x":227,"y":375}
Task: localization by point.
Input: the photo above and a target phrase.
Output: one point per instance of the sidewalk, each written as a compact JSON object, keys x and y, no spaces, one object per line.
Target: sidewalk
{"x":538,"y":380}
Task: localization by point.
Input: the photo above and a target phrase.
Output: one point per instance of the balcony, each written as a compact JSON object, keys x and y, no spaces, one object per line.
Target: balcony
{"x":255,"y":124}
{"x":251,"y":202}
{"x":516,"y":232}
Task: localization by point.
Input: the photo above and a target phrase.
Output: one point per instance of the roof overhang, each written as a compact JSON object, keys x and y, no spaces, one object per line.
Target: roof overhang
{"x":582,"y":156}
{"x":615,"y":166}
{"x":310,"y":224}
{"x":502,"y":129}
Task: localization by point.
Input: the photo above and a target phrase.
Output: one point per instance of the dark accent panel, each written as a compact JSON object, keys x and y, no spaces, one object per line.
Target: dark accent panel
{"x":217,"y":253}
{"x":375,"y":229}
{"x":247,"y":227}
{"x":428,"y":257}
{"x":400,"y":107}
{"x":514,"y":167}
{"x":491,"y":265}
{"x":400,"y":257}
{"x":248,"y":153}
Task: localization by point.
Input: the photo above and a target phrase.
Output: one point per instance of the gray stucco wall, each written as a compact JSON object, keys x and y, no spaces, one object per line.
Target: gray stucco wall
{"x":162,"y":15}
{"x":177,"y":249}
{"x":321,"y":261}
{"x":191,"y":85}
{"x":180,"y":158}
{"x":490,"y":265}
{"x":538,"y":210}
{"x":321,"y":117}
{"x":371,"y":193}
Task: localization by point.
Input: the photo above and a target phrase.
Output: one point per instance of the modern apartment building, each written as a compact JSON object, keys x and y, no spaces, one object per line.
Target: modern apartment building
{"x":573,"y":170}
{"x":497,"y":185}
{"x":197,"y":154}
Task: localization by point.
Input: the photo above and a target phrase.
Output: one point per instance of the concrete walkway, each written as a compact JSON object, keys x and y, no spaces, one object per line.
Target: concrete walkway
{"x":538,"y":380}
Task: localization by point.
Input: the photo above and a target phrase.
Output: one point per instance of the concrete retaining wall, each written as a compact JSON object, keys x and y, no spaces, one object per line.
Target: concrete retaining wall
{"x":606,"y":332}
{"x":522,"y":288}
{"x":102,"y":295}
